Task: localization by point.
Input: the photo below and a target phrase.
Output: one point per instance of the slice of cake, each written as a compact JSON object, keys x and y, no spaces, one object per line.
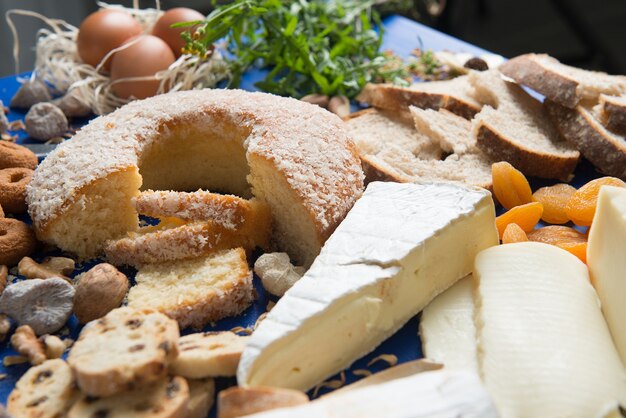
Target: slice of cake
{"x":197,"y":291}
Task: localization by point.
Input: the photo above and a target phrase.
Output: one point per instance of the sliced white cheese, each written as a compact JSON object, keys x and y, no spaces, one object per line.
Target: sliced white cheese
{"x":441,"y":394}
{"x":399,"y":247}
{"x":606,"y":258}
{"x":447,"y":328}
{"x":544,"y":349}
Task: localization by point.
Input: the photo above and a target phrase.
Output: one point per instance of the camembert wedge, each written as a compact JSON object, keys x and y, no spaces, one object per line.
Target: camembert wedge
{"x":447,"y":328}
{"x":606,"y":257}
{"x":544,"y":349}
{"x":399,"y":247}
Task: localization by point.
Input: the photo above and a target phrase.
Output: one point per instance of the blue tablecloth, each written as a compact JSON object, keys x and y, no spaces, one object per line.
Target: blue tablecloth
{"x":401,"y":36}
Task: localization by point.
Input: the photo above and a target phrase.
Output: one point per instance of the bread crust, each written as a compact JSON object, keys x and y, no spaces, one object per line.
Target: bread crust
{"x":388,"y":96}
{"x":526,"y":70}
{"x":606,"y":151}
{"x":613,"y":115}
{"x":529,"y":162}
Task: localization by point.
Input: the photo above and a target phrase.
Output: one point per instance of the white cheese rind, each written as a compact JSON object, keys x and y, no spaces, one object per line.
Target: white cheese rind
{"x":544,"y":349}
{"x":399,"y":247}
{"x":447,"y":328}
{"x":441,"y":394}
{"x":606,"y":258}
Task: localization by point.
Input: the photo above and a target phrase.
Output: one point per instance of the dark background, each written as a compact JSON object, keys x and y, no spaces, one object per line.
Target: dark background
{"x":588,"y":34}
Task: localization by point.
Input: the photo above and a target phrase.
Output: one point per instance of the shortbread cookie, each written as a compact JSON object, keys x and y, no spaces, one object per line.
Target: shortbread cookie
{"x":209,"y":354}
{"x":166,"y":398}
{"x":201,"y":396}
{"x":44,"y":391}
{"x":122,"y":350}
{"x":196,"y":292}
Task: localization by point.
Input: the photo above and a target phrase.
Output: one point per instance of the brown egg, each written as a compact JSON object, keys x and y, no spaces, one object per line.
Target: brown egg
{"x":171,"y":35}
{"x":103,"y":31}
{"x":145,"y":57}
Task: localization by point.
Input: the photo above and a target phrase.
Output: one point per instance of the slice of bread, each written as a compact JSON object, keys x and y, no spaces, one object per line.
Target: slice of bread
{"x":175,"y":240}
{"x":613,"y":113}
{"x":166,"y":398}
{"x":228,"y":211}
{"x":513,"y":127}
{"x":605,"y":150}
{"x":197,"y":291}
{"x":454,"y":95}
{"x":238,"y":401}
{"x":392,"y":150}
{"x":125,"y":349}
{"x":46,"y":390}
{"x":559,"y":82}
{"x":373,"y":129}
{"x":209,"y":354}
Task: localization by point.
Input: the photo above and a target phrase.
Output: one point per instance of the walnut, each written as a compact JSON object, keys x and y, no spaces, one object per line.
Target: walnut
{"x":45,"y":121}
{"x":50,"y":267}
{"x":99,"y":291}
{"x":73,"y":105}
{"x":25,"y":342}
{"x":277,"y":273}
{"x":30,"y":93}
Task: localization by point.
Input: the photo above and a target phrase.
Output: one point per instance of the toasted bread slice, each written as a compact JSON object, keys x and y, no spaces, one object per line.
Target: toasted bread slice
{"x":514,"y":127}
{"x":197,"y":291}
{"x":454,"y":95}
{"x":559,"y":82}
{"x":228,"y":211}
{"x":605,"y":150}
{"x":613,"y":113}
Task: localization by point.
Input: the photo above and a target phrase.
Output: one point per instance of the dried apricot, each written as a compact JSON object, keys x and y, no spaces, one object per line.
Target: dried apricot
{"x":564,"y":237}
{"x":513,"y":233}
{"x":554,"y":199}
{"x":555,"y":234}
{"x":509,"y":185}
{"x":581,"y":207}
{"x":579,"y":249}
{"x":526,"y":216}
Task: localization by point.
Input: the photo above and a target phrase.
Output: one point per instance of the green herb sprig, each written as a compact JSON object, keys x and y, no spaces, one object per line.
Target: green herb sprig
{"x":310,"y":46}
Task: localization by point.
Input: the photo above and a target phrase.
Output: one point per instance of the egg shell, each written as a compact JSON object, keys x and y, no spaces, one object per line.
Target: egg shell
{"x":171,"y":35}
{"x":103,"y":31}
{"x":144,"y":57}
